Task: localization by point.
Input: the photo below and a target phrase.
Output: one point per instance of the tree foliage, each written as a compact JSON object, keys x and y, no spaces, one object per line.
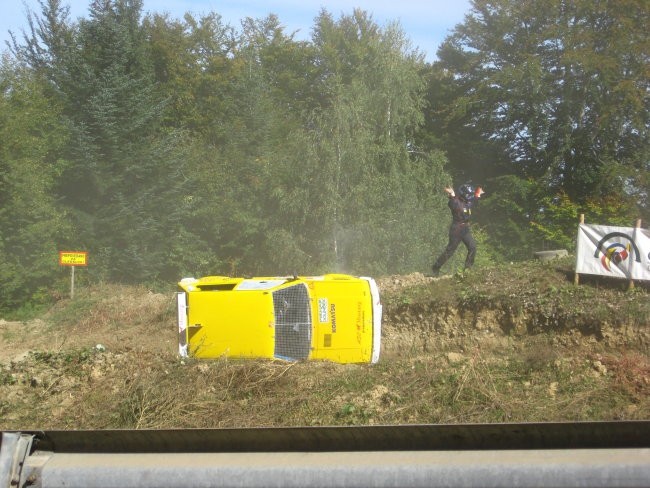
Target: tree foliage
{"x":553,"y":95}
{"x":31,"y":221}
{"x":562,"y":85}
{"x":122,"y":171}
{"x":173,"y":147}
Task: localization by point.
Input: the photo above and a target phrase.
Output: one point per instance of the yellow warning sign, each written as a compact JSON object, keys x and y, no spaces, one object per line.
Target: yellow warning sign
{"x":73,"y":258}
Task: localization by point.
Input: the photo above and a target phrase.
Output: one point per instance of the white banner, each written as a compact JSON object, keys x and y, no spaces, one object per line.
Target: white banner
{"x":620,"y":252}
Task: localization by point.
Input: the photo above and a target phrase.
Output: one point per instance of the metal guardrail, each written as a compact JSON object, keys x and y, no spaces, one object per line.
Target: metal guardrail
{"x":542,"y":455}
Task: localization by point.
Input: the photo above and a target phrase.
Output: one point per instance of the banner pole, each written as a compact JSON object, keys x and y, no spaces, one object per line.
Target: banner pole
{"x":630,"y":285}
{"x":576,"y":276}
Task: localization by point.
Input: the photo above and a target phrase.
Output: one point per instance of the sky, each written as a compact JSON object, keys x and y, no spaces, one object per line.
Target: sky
{"x":425,"y":22}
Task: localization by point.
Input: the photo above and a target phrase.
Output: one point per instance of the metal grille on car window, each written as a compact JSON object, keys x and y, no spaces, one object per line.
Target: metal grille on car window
{"x":292,"y":322}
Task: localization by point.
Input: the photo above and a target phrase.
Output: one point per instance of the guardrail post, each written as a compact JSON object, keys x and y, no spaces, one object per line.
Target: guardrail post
{"x":14,"y":449}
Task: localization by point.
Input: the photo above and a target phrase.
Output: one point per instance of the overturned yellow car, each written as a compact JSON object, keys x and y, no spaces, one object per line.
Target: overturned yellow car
{"x":333,"y":317}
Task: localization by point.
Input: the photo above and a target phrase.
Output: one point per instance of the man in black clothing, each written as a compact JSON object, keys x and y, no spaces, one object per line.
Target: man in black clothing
{"x":459,"y":231}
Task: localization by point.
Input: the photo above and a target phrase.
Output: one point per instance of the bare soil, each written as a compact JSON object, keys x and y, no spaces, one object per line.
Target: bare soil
{"x":494,"y":345}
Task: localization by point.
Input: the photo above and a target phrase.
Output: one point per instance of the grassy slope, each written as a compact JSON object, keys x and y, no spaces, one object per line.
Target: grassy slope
{"x":495,"y":345}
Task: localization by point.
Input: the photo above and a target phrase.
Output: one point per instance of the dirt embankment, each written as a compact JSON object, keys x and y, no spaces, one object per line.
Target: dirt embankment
{"x":494,"y":346}
{"x":432,"y":320}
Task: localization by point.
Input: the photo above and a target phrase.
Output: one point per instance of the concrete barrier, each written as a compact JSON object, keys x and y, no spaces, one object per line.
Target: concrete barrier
{"x":549,"y":255}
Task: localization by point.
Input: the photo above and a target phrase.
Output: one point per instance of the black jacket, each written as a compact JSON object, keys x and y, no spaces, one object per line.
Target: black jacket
{"x":461,"y":210}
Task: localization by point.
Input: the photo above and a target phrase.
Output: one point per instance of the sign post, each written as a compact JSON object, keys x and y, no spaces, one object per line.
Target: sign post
{"x":72,"y":259}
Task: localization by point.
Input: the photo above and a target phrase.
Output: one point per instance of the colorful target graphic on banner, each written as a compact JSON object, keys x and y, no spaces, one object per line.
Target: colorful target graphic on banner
{"x":615,"y":249}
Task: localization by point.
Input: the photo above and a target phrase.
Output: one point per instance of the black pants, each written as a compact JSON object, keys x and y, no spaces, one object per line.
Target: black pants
{"x":458,"y":232}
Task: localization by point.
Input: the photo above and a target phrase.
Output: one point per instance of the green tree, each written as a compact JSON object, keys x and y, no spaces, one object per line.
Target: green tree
{"x":242,"y":119}
{"x":33,"y":228}
{"x":194,"y":148}
{"x":559,"y":89}
{"x":380,"y":200}
{"x":123,"y":172}
{"x":194,"y":66}
{"x":563,"y":85}
{"x":448,"y":127}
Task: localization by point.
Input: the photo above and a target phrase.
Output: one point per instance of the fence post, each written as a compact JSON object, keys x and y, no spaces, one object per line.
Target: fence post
{"x":576,"y":276}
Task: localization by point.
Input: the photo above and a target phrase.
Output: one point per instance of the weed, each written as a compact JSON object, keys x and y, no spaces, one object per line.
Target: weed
{"x":445,"y":359}
{"x":27,"y":311}
{"x":347,"y":409}
{"x":351,"y":414}
{"x":539,"y":357}
{"x":7,"y":378}
{"x":142,"y":406}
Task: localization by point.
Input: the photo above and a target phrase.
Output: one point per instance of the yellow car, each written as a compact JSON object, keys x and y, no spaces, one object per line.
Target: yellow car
{"x":332,"y":317}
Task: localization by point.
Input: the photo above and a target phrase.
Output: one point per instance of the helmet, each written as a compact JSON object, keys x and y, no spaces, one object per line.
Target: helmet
{"x":466,"y":191}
